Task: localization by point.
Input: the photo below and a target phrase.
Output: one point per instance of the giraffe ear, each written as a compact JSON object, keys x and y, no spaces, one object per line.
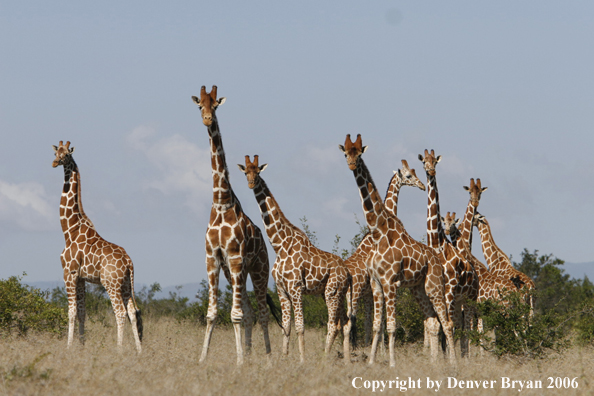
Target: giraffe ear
{"x":71,"y":150}
{"x":484,"y":188}
{"x":363,"y":149}
{"x":466,"y":188}
{"x":196,"y":100}
{"x":457,"y":222}
{"x":421,"y":158}
{"x":221,"y":101}
{"x":340,"y":146}
{"x":262,"y":167}
{"x":55,"y":147}
{"x":438,"y":159}
{"x":241,"y":168}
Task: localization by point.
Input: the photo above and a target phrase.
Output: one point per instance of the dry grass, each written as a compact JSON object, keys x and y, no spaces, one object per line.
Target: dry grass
{"x":169,"y":365}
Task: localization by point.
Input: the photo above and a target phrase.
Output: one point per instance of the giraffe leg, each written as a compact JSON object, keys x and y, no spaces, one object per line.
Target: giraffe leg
{"x":131,"y":309}
{"x":236,"y":266}
{"x":296,"y":298}
{"x":368,"y":303}
{"x":378,"y":307}
{"x":115,"y":295}
{"x":213,"y":268}
{"x":285,"y":302}
{"x":333,"y":300}
{"x":80,"y":308}
{"x":260,"y":283}
{"x":390,"y":296}
{"x":70,"y":281}
{"x":247,"y":320}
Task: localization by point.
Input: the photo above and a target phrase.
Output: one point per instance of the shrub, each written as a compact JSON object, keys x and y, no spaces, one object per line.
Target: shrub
{"x":518,"y":334}
{"x":24,"y":308}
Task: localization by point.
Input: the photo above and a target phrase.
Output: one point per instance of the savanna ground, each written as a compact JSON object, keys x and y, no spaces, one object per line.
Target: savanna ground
{"x":41,"y":364}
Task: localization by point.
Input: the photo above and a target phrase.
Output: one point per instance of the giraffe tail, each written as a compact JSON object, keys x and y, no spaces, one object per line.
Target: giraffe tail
{"x":274,"y":310}
{"x":139,"y":325}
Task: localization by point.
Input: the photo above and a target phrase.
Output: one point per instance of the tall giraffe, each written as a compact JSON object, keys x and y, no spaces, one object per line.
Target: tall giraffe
{"x":233,"y":242}
{"x":300,"y":267}
{"x":397,"y":261}
{"x":499,"y":263}
{"x":357,"y":262}
{"x":89,"y":258}
{"x":461,"y":280}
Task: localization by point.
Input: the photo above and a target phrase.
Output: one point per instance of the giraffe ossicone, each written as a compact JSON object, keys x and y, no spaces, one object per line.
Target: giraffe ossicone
{"x":87,"y":257}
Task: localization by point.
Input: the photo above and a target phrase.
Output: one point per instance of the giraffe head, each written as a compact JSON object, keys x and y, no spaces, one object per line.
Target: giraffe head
{"x":478,"y":218}
{"x":409,"y":176}
{"x":63,"y":154}
{"x":450,"y":224}
{"x":475,"y":191}
{"x":252,"y":170}
{"x":208,"y":103}
{"x":429,"y":161}
{"x":352,"y":151}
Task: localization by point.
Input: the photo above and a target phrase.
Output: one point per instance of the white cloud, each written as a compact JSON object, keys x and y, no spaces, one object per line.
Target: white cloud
{"x":182,"y":166}
{"x":26,"y":205}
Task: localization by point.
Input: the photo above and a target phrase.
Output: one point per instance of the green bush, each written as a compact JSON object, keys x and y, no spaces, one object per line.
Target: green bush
{"x":24,"y":308}
{"x":516,"y":332}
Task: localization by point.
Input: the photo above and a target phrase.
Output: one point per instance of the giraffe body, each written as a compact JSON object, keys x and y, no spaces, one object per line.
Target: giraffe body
{"x":300,"y":267}
{"x":397,"y":261}
{"x":87,"y":257}
{"x":233,"y":243}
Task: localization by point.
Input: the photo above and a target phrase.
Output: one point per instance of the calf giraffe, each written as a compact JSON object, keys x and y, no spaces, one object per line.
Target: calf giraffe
{"x":300,"y":267}
{"x":88,"y":257}
{"x":357,"y":262}
{"x":233,"y":242}
{"x":397,"y":261}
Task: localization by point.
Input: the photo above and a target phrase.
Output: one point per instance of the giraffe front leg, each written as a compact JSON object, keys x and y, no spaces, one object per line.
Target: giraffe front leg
{"x":70,"y":281}
{"x":213,"y":268}
{"x":378,"y":307}
{"x":332,"y":297}
{"x":390,"y":293}
{"x":299,"y":323}
{"x":238,"y":291}
{"x":247,"y":320}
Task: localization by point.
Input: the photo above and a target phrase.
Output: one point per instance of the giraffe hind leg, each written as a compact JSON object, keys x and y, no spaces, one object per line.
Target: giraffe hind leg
{"x":260,"y":283}
{"x":80,"y":308}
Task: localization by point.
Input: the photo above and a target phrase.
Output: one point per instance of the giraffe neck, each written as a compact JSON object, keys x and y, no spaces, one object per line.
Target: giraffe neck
{"x":222,"y":193}
{"x":373,"y":207}
{"x":278,"y":227}
{"x":435,"y":232}
{"x":481,"y":270}
{"x":391,"y":201}
{"x":72,"y":214}
{"x":491,"y":251}
{"x":465,"y":231}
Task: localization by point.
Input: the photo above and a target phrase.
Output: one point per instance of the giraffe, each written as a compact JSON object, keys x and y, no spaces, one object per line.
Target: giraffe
{"x":461,"y":280}
{"x":87,"y":257}
{"x":397,"y":261}
{"x":499,"y":263}
{"x":233,"y":243}
{"x":356,"y":263}
{"x":300,"y":267}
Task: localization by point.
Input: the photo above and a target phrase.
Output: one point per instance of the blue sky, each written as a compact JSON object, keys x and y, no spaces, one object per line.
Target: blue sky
{"x":502,"y":90}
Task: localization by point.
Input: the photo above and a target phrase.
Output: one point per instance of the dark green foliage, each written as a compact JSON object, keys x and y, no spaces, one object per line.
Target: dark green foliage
{"x":24,"y":308}
{"x":518,"y":334}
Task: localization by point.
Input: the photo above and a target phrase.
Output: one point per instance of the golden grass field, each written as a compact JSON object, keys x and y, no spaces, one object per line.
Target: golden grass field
{"x":41,"y":365}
